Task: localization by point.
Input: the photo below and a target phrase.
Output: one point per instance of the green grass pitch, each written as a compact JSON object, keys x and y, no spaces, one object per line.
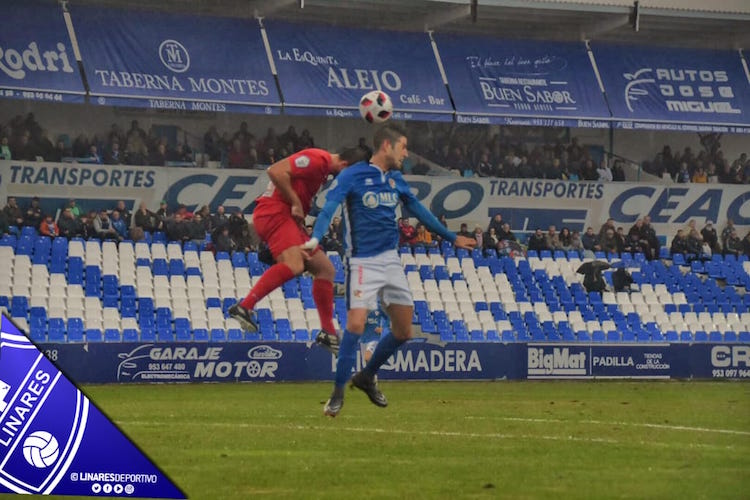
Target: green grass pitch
{"x":519,"y":440}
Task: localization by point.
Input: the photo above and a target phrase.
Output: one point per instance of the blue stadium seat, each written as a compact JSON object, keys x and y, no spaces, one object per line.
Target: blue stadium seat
{"x":112,"y":335}
{"x":130,"y":335}
{"x":200,"y":335}
{"x":235,"y":335}
{"x":93,"y":335}
{"x":218,"y":335}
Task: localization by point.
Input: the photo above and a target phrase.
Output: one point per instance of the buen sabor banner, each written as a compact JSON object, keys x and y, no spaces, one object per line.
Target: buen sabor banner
{"x":525,"y":203}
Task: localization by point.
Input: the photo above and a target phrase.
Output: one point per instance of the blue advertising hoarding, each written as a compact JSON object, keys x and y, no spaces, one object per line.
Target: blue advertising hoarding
{"x":675,"y":89}
{"x":417,"y":360}
{"x":326,"y":71}
{"x":168,"y":61}
{"x":36,"y":56}
{"x":514,"y":82}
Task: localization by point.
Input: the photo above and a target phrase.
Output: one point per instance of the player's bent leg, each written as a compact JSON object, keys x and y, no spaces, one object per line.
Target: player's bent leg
{"x":322,"y":291}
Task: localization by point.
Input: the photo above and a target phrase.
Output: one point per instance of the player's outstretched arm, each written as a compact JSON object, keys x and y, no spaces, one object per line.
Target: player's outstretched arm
{"x":465,"y":242}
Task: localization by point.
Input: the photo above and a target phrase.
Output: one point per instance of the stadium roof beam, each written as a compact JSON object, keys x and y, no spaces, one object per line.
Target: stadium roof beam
{"x":264,"y":8}
{"x":440,"y":17}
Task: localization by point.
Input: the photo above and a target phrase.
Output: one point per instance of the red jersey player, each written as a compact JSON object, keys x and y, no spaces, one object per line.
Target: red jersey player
{"x":279,"y":221}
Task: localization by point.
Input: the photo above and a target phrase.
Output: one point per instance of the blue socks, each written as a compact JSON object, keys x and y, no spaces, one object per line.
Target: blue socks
{"x":347,"y":358}
{"x":386,"y":347}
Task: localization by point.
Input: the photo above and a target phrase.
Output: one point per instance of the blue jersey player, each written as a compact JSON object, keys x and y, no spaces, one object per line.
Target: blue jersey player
{"x":370,"y":193}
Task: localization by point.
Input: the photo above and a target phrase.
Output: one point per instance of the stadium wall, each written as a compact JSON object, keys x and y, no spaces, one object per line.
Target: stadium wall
{"x":278,"y":361}
{"x":525,"y":203}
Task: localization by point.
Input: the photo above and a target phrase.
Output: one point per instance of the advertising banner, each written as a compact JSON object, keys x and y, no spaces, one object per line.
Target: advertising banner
{"x":525,"y":203}
{"x":515,"y":82}
{"x":297,"y":361}
{"x":170,"y":61}
{"x":675,"y":89}
{"x":326,"y":71}
{"x":36,"y":56}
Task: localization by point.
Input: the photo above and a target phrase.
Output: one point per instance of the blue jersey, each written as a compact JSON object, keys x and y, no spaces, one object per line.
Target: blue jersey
{"x":376,"y":319}
{"x":370,"y":197}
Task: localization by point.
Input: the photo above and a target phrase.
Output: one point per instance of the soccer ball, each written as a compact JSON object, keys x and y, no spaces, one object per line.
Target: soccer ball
{"x":40,"y":449}
{"x":375,"y":106}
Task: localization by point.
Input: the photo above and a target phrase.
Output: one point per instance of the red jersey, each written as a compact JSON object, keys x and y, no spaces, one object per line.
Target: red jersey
{"x":309,"y":170}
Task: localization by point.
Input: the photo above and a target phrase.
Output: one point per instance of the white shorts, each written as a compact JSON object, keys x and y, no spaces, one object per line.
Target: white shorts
{"x":380,"y":276}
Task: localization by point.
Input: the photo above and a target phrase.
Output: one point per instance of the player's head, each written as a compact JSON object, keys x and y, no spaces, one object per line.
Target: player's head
{"x":348,"y":156}
{"x":390,"y":146}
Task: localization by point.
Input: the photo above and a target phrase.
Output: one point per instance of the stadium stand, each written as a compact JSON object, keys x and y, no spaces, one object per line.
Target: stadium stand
{"x":93,"y":291}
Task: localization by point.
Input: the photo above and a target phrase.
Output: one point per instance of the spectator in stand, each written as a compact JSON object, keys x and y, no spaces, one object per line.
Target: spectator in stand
{"x":163,"y":212}
{"x":48,"y":227}
{"x":609,"y":242}
{"x":679,"y":243}
{"x":575,"y":241}
{"x":490,"y":239}
{"x":33,"y":216}
{"x":621,"y":238}
{"x":331,"y":241}
{"x":158,"y":157}
{"x":424,"y":237}
{"x":726,"y":232}
{"x":196,"y":231}
{"x":537,"y":241}
{"x":206,"y":219}
{"x":103,"y":229}
{"x":212,"y":144}
{"x":180,"y":154}
{"x":73,"y":207}
{"x":176,"y":228}
{"x":237,"y":157}
{"x":118,"y":224}
{"x":478,"y":237}
{"x":565,"y":239}
{"x":700,"y":177}
{"x":93,"y":155}
{"x":695,"y":243}
{"x":604,"y":173}
{"x":746,"y":244}
{"x":708,"y":233}
{"x":223,"y":242}
{"x":60,"y":151}
{"x":146,"y":219}
{"x":618,"y":173}
{"x":125,"y":214}
{"x":69,"y":226}
{"x":552,"y":238}
{"x":683,"y":174}
{"x":87,"y":224}
{"x":5,"y":153}
{"x":406,"y":232}
{"x":648,"y":233}
{"x":590,"y":240}
{"x":484,"y":167}
{"x":305,"y":140}
{"x":505,"y":234}
{"x":219,"y":219}
{"x":496,"y":223}
{"x":136,"y":151}
{"x":113,"y":155}
{"x":610,"y":224}
{"x":465,"y":231}
{"x":24,"y":149}
{"x":12,"y":212}
{"x":733,"y":244}
{"x":711,"y":176}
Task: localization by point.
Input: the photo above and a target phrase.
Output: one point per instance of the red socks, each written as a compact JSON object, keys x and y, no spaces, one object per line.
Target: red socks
{"x":274,"y":277}
{"x":322,"y":292}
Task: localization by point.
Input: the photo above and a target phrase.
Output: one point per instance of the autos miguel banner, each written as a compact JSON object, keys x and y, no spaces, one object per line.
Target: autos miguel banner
{"x":53,"y":440}
{"x":675,"y":89}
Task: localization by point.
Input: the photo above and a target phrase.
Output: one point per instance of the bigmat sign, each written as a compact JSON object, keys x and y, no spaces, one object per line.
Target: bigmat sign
{"x":283,"y":361}
{"x":525,"y":203}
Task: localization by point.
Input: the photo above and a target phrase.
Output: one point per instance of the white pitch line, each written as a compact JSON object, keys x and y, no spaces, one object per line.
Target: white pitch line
{"x":377,"y":430}
{"x":629,"y":424}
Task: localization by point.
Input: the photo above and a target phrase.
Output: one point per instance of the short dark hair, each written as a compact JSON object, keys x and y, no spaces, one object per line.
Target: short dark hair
{"x":354,"y":155}
{"x":387,"y":132}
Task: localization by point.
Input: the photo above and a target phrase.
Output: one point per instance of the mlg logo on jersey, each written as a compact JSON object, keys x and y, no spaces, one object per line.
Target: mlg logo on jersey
{"x":557,"y":362}
{"x":42,"y":420}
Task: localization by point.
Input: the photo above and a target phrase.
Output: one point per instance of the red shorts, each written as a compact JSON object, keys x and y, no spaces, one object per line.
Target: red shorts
{"x":280,"y":231}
